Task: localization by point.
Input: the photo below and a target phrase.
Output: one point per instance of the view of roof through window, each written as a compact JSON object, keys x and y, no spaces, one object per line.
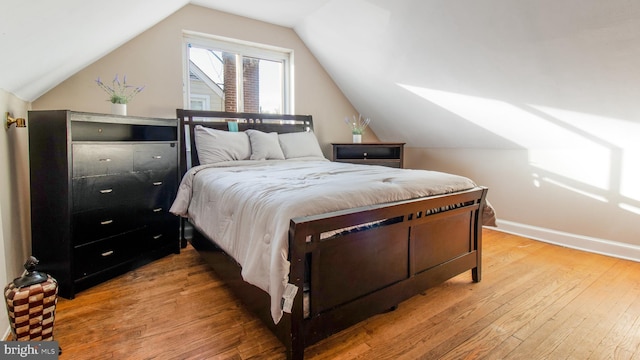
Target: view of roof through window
{"x":210,"y":63}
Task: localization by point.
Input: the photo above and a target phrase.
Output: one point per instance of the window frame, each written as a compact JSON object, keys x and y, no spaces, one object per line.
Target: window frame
{"x":241,"y":48}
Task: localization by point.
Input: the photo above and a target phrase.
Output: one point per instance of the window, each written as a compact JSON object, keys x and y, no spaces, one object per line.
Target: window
{"x":228,"y":75}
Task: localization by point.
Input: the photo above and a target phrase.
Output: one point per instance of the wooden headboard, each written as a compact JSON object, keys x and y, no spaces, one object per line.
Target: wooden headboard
{"x":218,"y":120}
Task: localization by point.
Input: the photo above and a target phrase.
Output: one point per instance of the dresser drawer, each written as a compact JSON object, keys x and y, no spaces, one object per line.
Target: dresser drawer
{"x":148,"y":189}
{"x":155,"y":157}
{"x":101,"y":159}
{"x":94,"y":192}
{"x":156,"y":214}
{"x":101,"y":223}
{"x":161,"y":235}
{"x":159,"y":189}
{"x":108,"y":130}
{"x":101,"y":255}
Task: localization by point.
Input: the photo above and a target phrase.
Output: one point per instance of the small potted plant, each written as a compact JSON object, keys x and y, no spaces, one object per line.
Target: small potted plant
{"x":120,"y":93}
{"x":358,"y":125}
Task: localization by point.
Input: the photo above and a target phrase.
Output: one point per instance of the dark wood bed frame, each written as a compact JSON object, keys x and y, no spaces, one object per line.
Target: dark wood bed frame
{"x":357,"y":275}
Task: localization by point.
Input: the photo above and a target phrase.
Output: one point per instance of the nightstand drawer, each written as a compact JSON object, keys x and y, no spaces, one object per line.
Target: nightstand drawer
{"x":155,"y":157}
{"x":386,"y":154}
{"x":100,"y":159}
{"x":376,"y":152}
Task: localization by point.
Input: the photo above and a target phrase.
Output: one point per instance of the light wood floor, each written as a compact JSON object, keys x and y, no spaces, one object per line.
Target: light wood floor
{"x":535,"y":301}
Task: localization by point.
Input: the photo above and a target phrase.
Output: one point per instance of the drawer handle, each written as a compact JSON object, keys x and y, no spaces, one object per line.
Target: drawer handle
{"x":106,"y":191}
{"x":105,"y":159}
{"x":157,"y":157}
{"x":106,"y":222}
{"x":157,"y":210}
{"x":107,"y":253}
{"x":156,"y":237}
{"x":157,"y":183}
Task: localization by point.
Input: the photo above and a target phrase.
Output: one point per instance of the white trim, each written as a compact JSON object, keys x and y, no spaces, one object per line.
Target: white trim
{"x":246,"y":48}
{"x":574,"y":241}
{"x":185,"y":74}
{"x":7,"y":333}
{"x":239,"y":83}
{"x":289,"y":91}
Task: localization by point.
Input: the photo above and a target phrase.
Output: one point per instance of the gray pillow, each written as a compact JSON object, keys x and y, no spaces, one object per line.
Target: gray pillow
{"x":299,"y":145}
{"x":215,"y":146}
{"x":264,"y":146}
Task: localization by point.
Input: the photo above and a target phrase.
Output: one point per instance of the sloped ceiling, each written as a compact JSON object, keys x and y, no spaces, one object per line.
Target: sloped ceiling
{"x":44,"y":42}
{"x":433,"y":73}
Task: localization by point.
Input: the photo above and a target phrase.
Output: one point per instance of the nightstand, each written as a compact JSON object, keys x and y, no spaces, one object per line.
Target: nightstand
{"x":386,"y":154}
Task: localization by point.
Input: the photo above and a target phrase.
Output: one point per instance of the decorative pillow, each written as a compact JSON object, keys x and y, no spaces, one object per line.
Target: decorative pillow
{"x":264,"y":146}
{"x":215,"y":146}
{"x":300,"y":144}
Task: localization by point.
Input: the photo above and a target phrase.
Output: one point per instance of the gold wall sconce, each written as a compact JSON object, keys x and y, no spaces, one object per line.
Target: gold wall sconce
{"x":20,"y":122}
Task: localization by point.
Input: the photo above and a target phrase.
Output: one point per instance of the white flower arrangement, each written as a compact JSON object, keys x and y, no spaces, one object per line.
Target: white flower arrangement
{"x":358,"y":125}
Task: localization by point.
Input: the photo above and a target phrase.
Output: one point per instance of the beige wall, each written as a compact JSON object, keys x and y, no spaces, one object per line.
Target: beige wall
{"x":14,"y":196}
{"x":539,"y":204}
{"x":154,"y":59}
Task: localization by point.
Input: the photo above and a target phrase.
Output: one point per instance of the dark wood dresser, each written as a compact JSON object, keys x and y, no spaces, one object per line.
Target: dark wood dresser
{"x":101,"y":187}
{"x":386,"y":154}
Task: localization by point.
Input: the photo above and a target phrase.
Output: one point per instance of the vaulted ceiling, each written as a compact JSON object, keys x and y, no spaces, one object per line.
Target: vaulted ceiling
{"x":434,"y":73}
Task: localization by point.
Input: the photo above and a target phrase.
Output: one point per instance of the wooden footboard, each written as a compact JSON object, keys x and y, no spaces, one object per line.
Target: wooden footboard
{"x":352,"y":276}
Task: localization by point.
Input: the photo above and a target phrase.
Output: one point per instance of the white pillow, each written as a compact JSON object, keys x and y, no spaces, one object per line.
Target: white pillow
{"x":300,"y":144}
{"x":215,"y":146}
{"x":264,"y":146}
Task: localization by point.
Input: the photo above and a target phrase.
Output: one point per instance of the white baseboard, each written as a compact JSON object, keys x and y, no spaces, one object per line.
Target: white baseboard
{"x":574,"y":241}
{"x":7,"y":333}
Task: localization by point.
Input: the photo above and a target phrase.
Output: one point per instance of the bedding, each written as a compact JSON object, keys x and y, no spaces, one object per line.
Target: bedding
{"x":300,"y":145}
{"x":264,"y":146}
{"x":246,"y":206}
{"x":216,"y":146}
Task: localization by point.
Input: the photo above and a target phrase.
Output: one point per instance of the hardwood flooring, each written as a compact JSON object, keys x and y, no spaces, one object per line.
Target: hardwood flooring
{"x":535,"y":301}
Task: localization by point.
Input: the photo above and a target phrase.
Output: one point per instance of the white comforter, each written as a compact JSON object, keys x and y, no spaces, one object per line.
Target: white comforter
{"x":245,"y":206}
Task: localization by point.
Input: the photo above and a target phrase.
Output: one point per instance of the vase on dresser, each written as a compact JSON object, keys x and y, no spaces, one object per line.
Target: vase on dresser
{"x":357,"y":138}
{"x":119,"y":109}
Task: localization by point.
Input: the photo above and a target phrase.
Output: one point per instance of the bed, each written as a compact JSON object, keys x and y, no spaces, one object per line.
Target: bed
{"x":332,"y":258}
